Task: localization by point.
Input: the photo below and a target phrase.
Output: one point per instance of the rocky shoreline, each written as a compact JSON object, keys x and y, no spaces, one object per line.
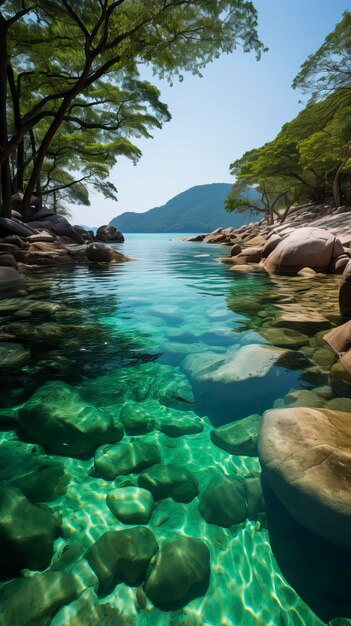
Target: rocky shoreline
{"x":49,"y":240}
{"x":304,"y":447}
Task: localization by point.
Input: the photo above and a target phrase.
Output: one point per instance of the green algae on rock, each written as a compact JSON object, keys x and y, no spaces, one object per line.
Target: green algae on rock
{"x":124,"y":458}
{"x":57,"y":417}
{"x":177,"y":570}
{"x":131,"y":505}
{"x":238,"y":437}
{"x":167,"y":480}
{"x":122,"y":556}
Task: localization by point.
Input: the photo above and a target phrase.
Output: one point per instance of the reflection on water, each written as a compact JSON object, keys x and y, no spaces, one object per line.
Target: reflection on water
{"x":177,"y":329}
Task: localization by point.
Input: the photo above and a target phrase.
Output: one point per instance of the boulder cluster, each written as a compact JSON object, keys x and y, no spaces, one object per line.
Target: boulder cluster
{"x":48,"y":239}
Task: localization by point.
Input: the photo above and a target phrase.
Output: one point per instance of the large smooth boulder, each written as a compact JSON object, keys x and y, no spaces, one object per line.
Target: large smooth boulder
{"x":305,"y":247}
{"x":178,"y":423}
{"x":167,"y":480}
{"x":122,"y":556}
{"x":125,"y":458}
{"x":131,"y":505}
{"x":58,"y":418}
{"x":238,"y":437}
{"x":178,"y":570}
{"x":15,"y":227}
{"x":101,"y":253}
{"x":223,"y":502}
{"x":27,"y":532}
{"x":345,"y":292}
{"x":305,"y":455}
{"x":339,"y":339}
{"x":33,"y":601}
{"x":109,"y":234}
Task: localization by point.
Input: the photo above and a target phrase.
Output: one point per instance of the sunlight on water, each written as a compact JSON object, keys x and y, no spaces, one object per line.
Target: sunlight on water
{"x":178,"y":341}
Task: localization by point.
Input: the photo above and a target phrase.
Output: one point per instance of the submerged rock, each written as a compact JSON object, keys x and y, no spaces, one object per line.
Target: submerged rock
{"x":26,"y":467}
{"x":131,"y":505}
{"x":149,"y":381}
{"x":122,"y":556}
{"x":238,"y":437}
{"x":223,"y":501}
{"x":101,"y":253}
{"x":13,"y":356}
{"x":284,"y":337}
{"x":27,"y":532}
{"x":10,"y":280}
{"x":167,"y":480}
{"x":251,"y":361}
{"x":137,"y":418}
{"x":306,"y":458}
{"x":177,"y":572}
{"x":125,"y":458}
{"x":177,"y":423}
{"x":58,"y":417}
{"x":33,"y":601}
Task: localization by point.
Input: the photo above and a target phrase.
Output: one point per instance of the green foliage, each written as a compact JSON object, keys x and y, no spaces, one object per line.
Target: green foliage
{"x":76,"y":98}
{"x":329,"y":68}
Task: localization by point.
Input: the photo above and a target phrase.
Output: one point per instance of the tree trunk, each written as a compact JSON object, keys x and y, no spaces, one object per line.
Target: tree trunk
{"x":17,"y":124}
{"x":5,"y":167}
{"x":336,"y":181}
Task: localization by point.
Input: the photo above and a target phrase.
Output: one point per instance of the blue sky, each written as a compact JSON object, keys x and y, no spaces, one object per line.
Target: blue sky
{"x":239,"y":104}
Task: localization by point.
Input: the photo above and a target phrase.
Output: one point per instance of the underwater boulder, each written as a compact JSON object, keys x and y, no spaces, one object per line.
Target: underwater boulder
{"x":125,"y":458}
{"x":167,"y":480}
{"x":33,"y":601}
{"x":131,"y":505}
{"x":223,"y":502}
{"x":27,"y":532}
{"x":12,"y":356}
{"x":26,"y":467}
{"x":178,"y":423}
{"x":58,"y":418}
{"x":180,"y":571}
{"x":284,"y":337}
{"x":122,"y":556}
{"x":305,"y":455}
{"x":238,"y":437}
{"x":136,"y":418}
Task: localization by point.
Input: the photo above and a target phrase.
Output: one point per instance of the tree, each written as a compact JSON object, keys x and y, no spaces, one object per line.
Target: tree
{"x":329,"y":68}
{"x":104,"y":40}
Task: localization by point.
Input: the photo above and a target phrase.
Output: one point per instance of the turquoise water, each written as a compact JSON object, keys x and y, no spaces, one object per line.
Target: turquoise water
{"x":167,"y":331}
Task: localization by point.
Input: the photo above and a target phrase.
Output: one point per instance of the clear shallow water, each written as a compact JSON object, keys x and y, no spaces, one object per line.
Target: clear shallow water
{"x":168,"y":321}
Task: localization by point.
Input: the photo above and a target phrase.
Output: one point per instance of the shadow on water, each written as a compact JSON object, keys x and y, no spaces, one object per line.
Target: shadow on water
{"x":318,"y":570}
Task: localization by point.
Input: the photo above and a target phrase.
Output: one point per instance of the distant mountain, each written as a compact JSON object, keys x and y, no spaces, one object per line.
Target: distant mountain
{"x":200,"y":209}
